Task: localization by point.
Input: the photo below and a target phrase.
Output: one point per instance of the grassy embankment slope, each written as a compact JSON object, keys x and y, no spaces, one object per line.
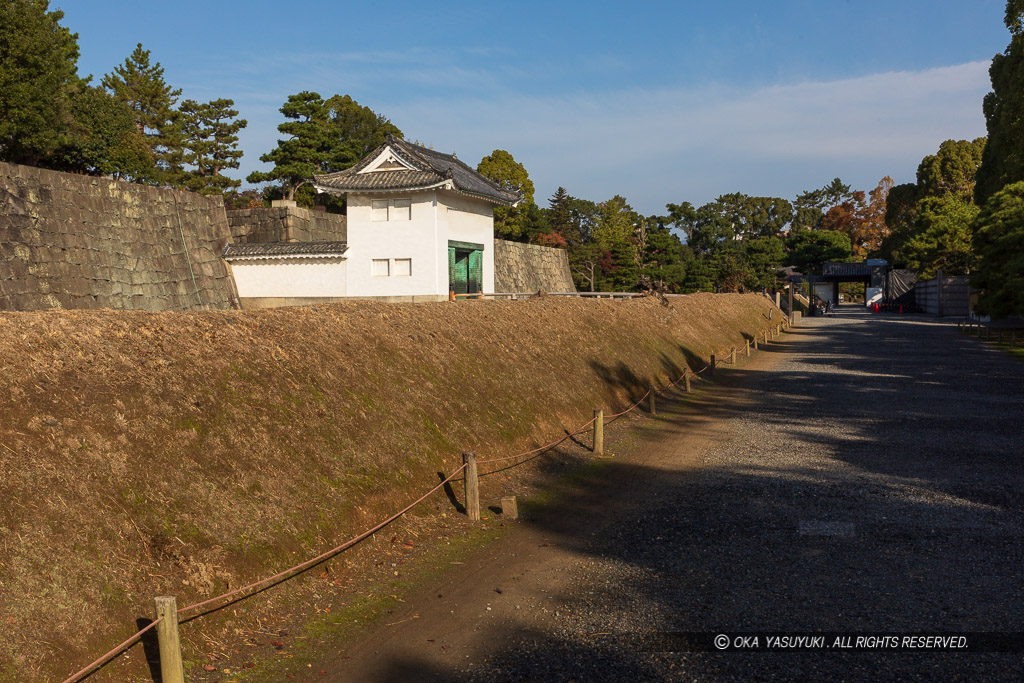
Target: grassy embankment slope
{"x":186,"y":453}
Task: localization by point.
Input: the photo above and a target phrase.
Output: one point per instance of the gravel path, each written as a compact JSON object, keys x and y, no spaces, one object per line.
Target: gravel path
{"x":868,"y":478}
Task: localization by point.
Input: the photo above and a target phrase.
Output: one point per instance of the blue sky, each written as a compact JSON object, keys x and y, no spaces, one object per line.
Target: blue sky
{"x":657,"y":101}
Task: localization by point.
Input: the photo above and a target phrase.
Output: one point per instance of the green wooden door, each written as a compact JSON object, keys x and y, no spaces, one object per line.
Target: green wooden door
{"x":458,"y":270}
{"x":475,"y":280}
{"x":465,"y":267}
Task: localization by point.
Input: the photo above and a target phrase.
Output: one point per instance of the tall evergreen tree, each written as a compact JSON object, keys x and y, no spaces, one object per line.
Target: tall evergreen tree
{"x":999,"y":243}
{"x":807,"y":210}
{"x":356,"y":131}
{"x":952,"y":170}
{"x":501,"y":167}
{"x":211,"y":144}
{"x":941,"y":236}
{"x":834,"y":193}
{"x":38,"y":75}
{"x":323,"y":136}
{"x":141,"y":86}
{"x":1003,"y":159}
{"x":559,"y":216}
{"x":900,"y":217}
{"x":666,"y":258}
{"x":103,"y":139}
{"x":929,"y":222}
{"x":304,"y":151}
{"x":764,"y":256}
{"x":808,"y":249}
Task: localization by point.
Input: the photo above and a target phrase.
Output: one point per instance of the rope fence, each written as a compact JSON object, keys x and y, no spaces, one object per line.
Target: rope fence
{"x":167,"y":620}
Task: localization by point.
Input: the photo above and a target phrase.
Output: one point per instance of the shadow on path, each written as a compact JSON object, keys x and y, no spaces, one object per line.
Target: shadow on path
{"x":872,"y":482}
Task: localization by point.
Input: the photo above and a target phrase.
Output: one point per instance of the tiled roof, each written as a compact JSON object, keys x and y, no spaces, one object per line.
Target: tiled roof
{"x":432,"y":169}
{"x":285,"y":249}
{"x":385,"y":180}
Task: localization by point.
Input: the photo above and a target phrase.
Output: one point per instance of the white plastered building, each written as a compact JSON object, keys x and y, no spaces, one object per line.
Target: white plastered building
{"x":420,"y":224}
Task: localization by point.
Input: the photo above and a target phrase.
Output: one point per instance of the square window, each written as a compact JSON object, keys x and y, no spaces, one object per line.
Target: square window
{"x":401,"y":210}
{"x":403,"y":266}
{"x":379,"y":210}
{"x":380,"y":267}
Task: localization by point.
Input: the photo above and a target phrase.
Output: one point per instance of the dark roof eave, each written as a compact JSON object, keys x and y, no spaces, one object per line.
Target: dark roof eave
{"x":493,"y":200}
{"x":259,"y":250}
{"x":340,"y":191}
{"x":443,"y":185}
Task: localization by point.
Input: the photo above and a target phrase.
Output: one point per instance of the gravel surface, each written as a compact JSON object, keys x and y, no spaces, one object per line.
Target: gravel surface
{"x":871,"y":482}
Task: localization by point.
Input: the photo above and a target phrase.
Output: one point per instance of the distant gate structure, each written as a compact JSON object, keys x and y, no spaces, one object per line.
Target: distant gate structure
{"x":871,"y":272}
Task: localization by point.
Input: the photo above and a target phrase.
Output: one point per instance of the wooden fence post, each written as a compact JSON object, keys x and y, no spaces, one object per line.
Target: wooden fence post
{"x":714,"y":362}
{"x":509,"y":508}
{"x":650,"y":396}
{"x":755,"y":342}
{"x":686,"y":379}
{"x":732,"y":356}
{"x":598,"y":431}
{"x":748,"y":348}
{"x":171,"y":670}
{"x":451,"y":295}
{"x":472,"y":486}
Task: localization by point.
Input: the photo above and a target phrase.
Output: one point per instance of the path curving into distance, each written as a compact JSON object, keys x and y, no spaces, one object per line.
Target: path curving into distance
{"x":862,"y":474}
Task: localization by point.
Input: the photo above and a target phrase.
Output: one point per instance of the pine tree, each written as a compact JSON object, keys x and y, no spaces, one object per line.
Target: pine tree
{"x":559,"y":217}
{"x":142,"y":87}
{"x":38,"y":74}
{"x":324,"y":136}
{"x":210,"y":144}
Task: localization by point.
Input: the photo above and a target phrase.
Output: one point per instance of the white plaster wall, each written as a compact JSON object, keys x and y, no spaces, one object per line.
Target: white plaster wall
{"x":468,"y":220}
{"x":413,"y":239}
{"x":290,"y":277}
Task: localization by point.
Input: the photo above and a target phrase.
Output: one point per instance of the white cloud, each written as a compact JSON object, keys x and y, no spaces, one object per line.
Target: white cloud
{"x":669,"y":145}
{"x":654,"y":145}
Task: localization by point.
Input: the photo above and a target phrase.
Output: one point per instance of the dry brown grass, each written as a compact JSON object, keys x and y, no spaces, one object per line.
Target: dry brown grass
{"x":185,"y":453}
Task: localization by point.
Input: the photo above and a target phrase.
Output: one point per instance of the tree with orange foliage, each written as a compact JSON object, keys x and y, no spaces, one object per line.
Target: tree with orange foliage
{"x":862,"y":218}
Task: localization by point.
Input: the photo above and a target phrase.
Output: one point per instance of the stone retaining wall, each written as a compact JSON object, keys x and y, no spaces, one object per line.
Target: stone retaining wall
{"x":286,"y":224}
{"x":74,"y":241}
{"x":522,"y":267}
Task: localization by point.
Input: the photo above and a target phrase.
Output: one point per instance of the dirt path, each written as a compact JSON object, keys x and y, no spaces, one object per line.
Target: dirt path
{"x":860,"y":475}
